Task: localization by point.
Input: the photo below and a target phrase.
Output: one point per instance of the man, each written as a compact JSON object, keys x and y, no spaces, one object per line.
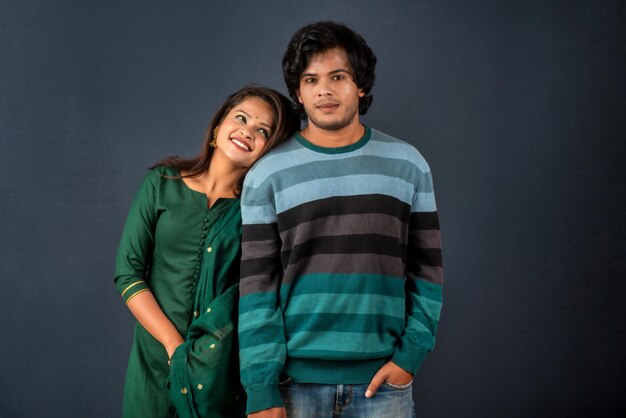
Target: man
{"x":341,"y":268}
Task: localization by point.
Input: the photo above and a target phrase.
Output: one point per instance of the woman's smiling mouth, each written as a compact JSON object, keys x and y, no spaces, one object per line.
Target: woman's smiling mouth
{"x":240,"y":144}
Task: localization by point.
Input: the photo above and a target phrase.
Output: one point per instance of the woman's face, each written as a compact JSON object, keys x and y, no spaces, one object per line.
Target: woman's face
{"x":244,"y":131}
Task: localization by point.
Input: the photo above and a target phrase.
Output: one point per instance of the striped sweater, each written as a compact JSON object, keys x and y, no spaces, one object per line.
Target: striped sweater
{"x":341,"y":264}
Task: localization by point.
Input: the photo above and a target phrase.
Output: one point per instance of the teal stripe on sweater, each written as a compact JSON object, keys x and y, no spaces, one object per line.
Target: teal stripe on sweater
{"x":429,"y":290}
{"x":261,"y":374}
{"x":335,"y":150}
{"x":360,"y":323}
{"x":258,"y":318}
{"x":420,"y":327}
{"x":251,"y":337}
{"x":346,"y":283}
{"x":338,"y":344}
{"x":345,"y":303}
{"x":261,"y":353}
{"x":254,"y":301}
{"x":431,"y":307}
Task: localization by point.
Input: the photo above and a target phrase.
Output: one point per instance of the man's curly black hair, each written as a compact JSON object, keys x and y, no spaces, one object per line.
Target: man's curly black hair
{"x":320,"y":37}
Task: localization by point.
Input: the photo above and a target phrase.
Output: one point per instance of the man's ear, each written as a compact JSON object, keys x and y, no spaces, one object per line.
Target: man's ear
{"x":361,"y":93}
{"x":298,"y":96}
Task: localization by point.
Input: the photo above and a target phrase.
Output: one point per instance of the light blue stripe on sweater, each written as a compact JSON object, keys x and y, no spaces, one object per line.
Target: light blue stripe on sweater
{"x":366,"y":164}
{"x":425,"y":202}
{"x":295,"y":155}
{"x":273,"y":163}
{"x":400,"y":151}
{"x":353,"y":185}
{"x":340,"y":186}
{"x":258,"y":214}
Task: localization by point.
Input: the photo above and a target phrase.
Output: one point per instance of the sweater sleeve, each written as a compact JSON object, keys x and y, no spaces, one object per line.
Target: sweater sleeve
{"x":424,"y":278}
{"x":137,"y":243}
{"x":261,"y":327}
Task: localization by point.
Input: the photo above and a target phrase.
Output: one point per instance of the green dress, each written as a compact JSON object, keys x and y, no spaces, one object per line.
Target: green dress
{"x":187,"y":255}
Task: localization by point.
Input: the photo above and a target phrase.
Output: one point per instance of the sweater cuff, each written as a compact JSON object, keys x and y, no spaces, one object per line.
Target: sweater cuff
{"x":262,"y":397}
{"x":409,"y":359}
{"x":133,"y":289}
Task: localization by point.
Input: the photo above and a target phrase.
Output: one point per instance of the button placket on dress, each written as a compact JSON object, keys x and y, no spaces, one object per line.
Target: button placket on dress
{"x":211,"y":242}
{"x":202,"y":243}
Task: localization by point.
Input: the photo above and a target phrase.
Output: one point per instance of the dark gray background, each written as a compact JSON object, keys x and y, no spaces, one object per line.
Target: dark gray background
{"x":518,"y":106}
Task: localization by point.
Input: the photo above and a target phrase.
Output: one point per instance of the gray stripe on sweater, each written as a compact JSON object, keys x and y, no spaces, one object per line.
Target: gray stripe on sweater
{"x":425,"y":238}
{"x":366,"y":223}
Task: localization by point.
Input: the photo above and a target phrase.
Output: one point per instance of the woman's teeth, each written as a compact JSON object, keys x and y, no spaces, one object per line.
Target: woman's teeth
{"x":241,"y":144}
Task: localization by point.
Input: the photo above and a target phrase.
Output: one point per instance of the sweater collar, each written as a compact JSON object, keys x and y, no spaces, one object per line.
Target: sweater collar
{"x":335,"y":150}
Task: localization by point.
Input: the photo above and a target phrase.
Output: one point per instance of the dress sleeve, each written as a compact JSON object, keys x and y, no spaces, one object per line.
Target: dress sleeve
{"x":137,"y":244}
{"x":424,"y":278}
{"x":261,"y":327}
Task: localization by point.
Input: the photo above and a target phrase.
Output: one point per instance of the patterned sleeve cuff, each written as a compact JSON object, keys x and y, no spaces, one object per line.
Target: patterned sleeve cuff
{"x":134,"y":289}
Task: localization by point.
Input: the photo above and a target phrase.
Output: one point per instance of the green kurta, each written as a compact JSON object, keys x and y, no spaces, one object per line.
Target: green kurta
{"x":171,"y":242}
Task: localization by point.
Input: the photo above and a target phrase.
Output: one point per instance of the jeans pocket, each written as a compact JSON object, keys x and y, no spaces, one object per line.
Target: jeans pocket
{"x":397,"y":387}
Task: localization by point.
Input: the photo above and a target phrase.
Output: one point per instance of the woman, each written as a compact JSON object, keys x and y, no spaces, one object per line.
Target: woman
{"x":178,"y":260}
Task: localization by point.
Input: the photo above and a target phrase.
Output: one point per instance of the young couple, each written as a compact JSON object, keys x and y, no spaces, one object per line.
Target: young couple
{"x":315,"y":282}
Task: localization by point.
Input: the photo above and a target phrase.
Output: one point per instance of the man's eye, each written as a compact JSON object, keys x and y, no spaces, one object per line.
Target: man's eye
{"x":241,"y":118}
{"x":309,"y":80}
{"x":338,"y":77}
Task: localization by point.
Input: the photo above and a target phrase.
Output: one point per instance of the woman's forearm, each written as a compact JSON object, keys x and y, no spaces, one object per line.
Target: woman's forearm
{"x":149,"y":314}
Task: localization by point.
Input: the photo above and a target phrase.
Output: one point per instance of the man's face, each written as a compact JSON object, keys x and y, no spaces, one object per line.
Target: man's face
{"x":327,"y":91}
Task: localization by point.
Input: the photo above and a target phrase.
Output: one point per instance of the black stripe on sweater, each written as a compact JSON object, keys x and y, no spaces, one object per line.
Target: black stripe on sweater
{"x":344,"y":205}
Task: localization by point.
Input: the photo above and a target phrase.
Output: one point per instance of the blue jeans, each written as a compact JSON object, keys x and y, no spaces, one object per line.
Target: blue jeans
{"x":310,"y":400}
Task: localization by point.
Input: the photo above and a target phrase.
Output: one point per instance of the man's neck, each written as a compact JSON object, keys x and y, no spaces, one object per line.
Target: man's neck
{"x":333,"y":139}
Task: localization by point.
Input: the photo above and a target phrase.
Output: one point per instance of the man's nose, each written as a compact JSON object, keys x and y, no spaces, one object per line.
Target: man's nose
{"x":324,"y":88}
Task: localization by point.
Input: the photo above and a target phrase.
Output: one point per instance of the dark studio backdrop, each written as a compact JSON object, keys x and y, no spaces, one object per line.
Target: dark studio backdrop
{"x":519,"y":108}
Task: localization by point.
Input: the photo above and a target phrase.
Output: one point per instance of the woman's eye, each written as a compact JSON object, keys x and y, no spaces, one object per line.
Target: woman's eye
{"x":265,"y":133}
{"x":241,"y":118}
